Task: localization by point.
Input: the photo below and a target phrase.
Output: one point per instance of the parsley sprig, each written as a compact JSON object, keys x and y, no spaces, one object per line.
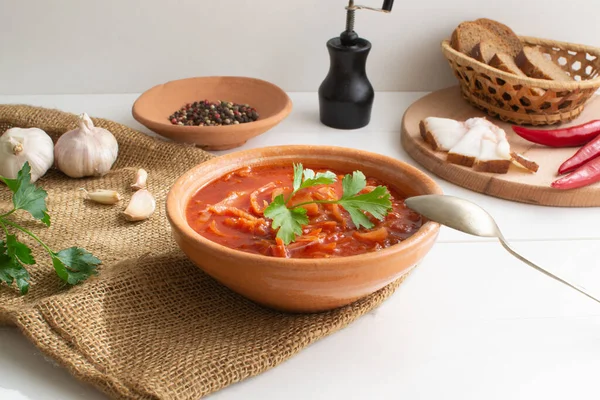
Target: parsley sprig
{"x":289,"y":220}
{"x":72,"y":265}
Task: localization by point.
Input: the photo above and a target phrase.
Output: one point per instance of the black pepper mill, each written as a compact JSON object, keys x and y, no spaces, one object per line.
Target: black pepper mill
{"x":346,"y":95}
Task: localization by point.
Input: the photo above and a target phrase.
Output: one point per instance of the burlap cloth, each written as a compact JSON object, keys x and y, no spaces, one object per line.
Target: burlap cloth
{"x":151,"y":325}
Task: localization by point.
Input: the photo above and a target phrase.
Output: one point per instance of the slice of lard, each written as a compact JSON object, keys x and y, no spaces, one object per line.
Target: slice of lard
{"x":466,"y":151}
{"x":494,"y":155}
{"x":442,"y":133}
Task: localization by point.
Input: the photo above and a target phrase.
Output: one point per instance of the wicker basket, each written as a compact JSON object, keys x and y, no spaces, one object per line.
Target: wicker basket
{"x":524,"y":100}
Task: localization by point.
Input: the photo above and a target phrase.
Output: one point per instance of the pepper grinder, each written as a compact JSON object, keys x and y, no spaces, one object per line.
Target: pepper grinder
{"x":346,"y":95}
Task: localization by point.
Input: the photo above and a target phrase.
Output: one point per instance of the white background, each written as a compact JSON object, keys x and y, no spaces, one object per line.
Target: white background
{"x":127,"y":46}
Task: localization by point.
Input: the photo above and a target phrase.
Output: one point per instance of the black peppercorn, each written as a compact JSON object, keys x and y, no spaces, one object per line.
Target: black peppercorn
{"x":205,"y":113}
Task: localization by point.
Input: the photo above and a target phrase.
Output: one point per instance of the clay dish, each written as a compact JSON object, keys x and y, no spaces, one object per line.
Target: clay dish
{"x":302,"y":285}
{"x":153,"y":108}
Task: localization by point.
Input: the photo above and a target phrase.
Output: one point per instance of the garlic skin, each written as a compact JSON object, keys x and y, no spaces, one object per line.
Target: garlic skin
{"x":141,"y":206}
{"x":86,"y":151}
{"x":103,"y":196}
{"x":18,"y":145}
{"x":140,"y":180}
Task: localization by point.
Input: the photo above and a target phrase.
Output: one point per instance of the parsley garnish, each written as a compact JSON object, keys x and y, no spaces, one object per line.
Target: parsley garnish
{"x":289,"y":221}
{"x":72,"y":265}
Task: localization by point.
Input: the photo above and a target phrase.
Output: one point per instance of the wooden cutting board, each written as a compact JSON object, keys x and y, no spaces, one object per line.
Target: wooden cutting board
{"x":517,"y":185}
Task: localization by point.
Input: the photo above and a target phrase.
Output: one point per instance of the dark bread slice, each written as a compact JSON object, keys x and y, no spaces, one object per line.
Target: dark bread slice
{"x":533,"y":63}
{"x":506,"y":63}
{"x":466,"y":36}
{"x":484,"y":51}
{"x":507,"y":34}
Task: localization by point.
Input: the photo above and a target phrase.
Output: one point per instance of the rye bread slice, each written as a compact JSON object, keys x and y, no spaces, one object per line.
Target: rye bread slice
{"x":507,"y":34}
{"x":506,"y":63}
{"x":533,"y":63}
{"x":484,"y":51}
{"x":466,"y":36}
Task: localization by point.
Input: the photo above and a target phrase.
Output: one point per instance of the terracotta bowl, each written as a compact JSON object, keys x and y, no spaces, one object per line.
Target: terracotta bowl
{"x":302,"y":285}
{"x":153,"y":108}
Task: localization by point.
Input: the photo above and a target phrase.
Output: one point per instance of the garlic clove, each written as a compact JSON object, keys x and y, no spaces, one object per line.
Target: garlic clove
{"x":141,"y":206}
{"x":103,"y":196}
{"x":140,"y":180}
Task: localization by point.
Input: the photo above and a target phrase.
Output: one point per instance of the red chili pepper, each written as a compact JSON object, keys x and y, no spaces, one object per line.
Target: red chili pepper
{"x":583,"y":155}
{"x":585,"y":175}
{"x":564,"y":137}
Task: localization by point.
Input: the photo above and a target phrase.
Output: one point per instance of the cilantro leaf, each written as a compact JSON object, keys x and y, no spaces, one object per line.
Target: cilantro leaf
{"x":11,"y":270}
{"x":377,"y":203}
{"x":352,"y":184}
{"x":288,"y":221}
{"x":12,"y":184}
{"x":298,"y":168}
{"x":74,"y":264}
{"x":320,"y":178}
{"x":27,"y":196}
{"x":18,"y":250}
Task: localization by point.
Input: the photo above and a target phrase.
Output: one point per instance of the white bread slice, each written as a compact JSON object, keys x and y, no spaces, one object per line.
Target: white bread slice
{"x":533,"y":63}
{"x":442,"y":133}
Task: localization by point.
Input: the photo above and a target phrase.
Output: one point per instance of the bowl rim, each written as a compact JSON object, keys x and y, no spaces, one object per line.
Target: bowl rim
{"x":178,"y":220}
{"x":285,"y":109}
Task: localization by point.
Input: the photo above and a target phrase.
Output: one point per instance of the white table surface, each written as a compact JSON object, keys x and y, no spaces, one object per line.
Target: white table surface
{"x":471,"y":322}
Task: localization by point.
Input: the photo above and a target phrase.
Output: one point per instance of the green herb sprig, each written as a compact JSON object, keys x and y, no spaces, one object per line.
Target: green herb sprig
{"x":289,"y":220}
{"x":72,"y":265}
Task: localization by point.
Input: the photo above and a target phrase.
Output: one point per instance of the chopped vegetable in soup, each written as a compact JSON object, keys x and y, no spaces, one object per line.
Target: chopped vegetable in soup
{"x":265,"y":210}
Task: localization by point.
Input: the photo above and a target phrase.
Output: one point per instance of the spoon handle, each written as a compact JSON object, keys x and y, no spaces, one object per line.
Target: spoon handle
{"x":545,"y":272}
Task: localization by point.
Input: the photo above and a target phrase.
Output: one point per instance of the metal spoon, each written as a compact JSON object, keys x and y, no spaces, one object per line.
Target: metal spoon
{"x":462,"y":215}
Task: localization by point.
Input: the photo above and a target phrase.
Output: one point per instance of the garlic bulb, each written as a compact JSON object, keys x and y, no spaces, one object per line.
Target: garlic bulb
{"x":86,"y":151}
{"x":19,"y":145}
